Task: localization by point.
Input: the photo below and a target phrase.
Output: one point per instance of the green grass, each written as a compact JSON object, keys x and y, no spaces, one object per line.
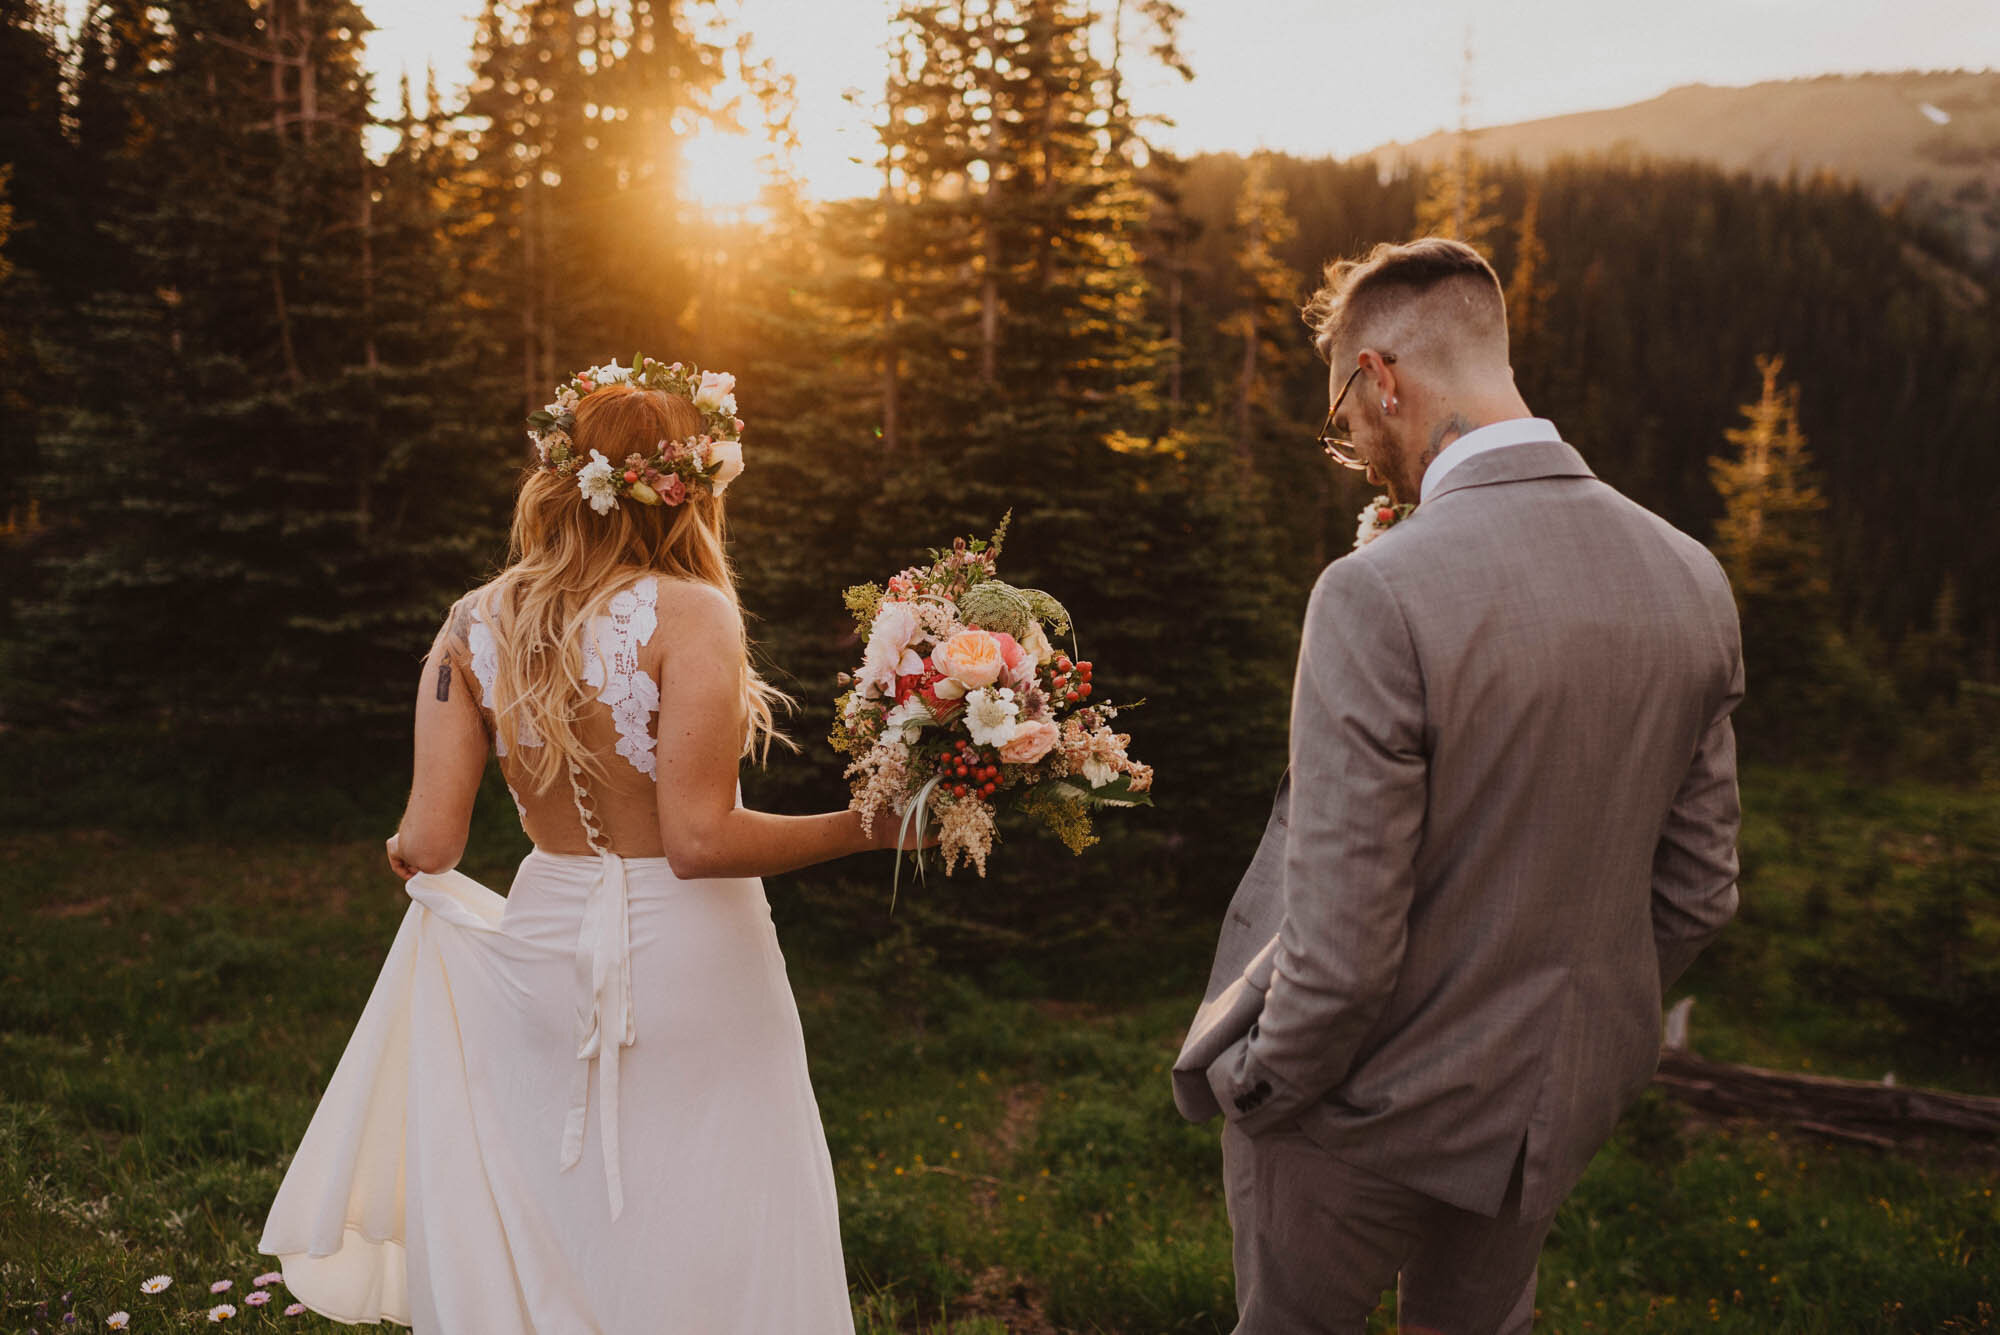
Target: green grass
{"x":1868,"y":940}
{"x":1006,"y":1162}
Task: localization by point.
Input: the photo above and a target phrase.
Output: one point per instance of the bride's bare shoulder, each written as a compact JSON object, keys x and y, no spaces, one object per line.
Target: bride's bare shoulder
{"x":474,"y":601}
{"x":455,"y":633}
{"x":691,"y":599}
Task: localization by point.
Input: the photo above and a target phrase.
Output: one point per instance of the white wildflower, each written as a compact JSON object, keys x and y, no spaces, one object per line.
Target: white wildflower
{"x":716,"y":394}
{"x":220,"y":1312}
{"x":157,"y":1284}
{"x":939,"y":620}
{"x":594,"y":480}
{"x":965,"y":831}
{"x":884,"y":775}
{"x":118,"y":1320}
{"x":908,"y":719}
{"x":1105,"y":760}
{"x":992,"y":715}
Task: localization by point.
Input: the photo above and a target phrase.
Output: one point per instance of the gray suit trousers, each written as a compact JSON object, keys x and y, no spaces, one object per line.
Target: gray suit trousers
{"x":1318,"y":1240}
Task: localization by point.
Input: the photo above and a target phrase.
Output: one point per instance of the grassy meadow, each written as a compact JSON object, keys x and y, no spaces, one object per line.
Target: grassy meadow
{"x":1008,"y":1155}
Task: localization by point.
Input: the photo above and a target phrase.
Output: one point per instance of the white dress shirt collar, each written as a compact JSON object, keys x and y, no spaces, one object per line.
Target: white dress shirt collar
{"x":1494,"y":436}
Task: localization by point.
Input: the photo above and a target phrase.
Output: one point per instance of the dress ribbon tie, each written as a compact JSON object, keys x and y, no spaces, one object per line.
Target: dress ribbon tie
{"x":603,"y":1019}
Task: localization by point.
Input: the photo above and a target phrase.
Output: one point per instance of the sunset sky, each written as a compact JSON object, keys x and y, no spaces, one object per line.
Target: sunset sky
{"x":1325,"y":76}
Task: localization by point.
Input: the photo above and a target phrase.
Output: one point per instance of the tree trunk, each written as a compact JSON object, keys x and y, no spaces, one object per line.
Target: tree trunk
{"x":891,"y":358}
{"x":1175,"y":333}
{"x":274,"y":30}
{"x":1882,"y":1114}
{"x":530,"y":325}
{"x":308,"y":74}
{"x":989,"y":295}
{"x":1871,"y":1113}
{"x":364,"y":482}
{"x":1246,"y":384}
{"x":546,"y":300}
{"x":891,"y":375}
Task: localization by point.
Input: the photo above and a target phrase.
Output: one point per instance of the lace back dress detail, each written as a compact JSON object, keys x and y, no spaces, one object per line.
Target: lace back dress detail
{"x":612,"y":669}
{"x":624,"y":687}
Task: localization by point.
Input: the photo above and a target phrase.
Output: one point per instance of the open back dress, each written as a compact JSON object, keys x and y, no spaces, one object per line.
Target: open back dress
{"x":583,"y":1107}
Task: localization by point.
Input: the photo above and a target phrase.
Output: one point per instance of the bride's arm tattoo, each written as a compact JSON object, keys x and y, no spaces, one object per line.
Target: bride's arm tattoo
{"x":444,"y":681}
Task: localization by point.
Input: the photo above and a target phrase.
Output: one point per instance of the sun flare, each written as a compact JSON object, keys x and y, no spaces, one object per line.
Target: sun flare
{"x":724,"y":172}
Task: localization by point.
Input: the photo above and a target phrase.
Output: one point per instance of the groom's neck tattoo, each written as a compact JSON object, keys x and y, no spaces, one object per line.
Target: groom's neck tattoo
{"x":1458,"y":424}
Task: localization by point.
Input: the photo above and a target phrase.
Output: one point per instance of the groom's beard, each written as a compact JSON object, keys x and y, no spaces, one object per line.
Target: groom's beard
{"x":1392,"y":470}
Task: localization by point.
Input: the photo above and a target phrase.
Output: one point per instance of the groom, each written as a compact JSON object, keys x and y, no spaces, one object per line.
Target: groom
{"x":1510,"y":823}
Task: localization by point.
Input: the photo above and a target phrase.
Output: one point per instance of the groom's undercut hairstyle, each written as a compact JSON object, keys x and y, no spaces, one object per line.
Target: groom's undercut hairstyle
{"x":1434,"y":294}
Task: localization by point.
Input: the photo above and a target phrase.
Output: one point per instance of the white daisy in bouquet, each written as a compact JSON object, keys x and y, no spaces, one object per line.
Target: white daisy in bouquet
{"x":962,"y":701}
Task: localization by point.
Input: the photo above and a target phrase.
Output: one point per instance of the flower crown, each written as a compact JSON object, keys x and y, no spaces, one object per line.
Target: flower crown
{"x":708,"y":461}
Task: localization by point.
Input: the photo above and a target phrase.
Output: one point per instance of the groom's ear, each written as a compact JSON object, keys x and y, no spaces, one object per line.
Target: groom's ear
{"x":1381,"y":377}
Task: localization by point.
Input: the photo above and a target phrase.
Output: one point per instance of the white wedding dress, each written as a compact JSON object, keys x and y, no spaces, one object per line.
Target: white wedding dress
{"x":580,"y":1108}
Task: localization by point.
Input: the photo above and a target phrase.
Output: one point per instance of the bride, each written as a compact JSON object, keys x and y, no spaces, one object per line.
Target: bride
{"x":585,"y":1106}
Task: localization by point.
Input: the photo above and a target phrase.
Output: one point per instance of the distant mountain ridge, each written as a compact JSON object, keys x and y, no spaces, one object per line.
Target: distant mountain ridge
{"x":1928,"y":139}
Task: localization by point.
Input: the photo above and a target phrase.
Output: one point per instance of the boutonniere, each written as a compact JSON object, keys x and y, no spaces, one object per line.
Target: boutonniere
{"x":1377,"y":518}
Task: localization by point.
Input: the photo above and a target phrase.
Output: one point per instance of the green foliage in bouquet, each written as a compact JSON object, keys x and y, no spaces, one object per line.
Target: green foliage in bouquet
{"x":1055,"y":804}
{"x":863,"y":602}
{"x":997,"y":605}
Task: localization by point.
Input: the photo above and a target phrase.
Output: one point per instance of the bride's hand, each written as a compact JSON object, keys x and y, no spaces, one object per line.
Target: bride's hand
{"x":396,"y":862}
{"x":887,"y":832}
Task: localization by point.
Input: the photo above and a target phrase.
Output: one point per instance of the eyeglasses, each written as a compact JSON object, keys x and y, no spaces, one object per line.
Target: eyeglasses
{"x":1338,"y":447}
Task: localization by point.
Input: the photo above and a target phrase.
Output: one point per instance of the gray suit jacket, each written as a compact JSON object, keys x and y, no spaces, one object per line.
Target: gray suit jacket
{"x":1511,"y":824}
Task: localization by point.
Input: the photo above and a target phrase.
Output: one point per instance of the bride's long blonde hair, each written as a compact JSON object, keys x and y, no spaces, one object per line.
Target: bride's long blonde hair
{"x":566,"y":562}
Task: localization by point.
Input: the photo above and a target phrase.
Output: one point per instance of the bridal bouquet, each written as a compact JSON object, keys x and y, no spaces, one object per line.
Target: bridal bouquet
{"x":962,"y":701}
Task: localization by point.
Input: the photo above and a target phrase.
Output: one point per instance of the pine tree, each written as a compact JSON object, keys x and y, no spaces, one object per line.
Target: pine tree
{"x":1266,"y":322}
{"x":1528,"y":290}
{"x":43,"y":198}
{"x":996,"y":296}
{"x":1930,"y":664}
{"x":1770,"y":541}
{"x":579,"y":110}
{"x":1461,"y":203}
{"x":262,"y":493}
{"x":18,"y":512}
{"x":1769,"y":538}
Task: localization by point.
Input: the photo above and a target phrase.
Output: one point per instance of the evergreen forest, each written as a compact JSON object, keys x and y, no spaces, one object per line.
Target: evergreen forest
{"x":269,"y":336}
{"x":266,"y":352}
{"x":265,"y":356}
